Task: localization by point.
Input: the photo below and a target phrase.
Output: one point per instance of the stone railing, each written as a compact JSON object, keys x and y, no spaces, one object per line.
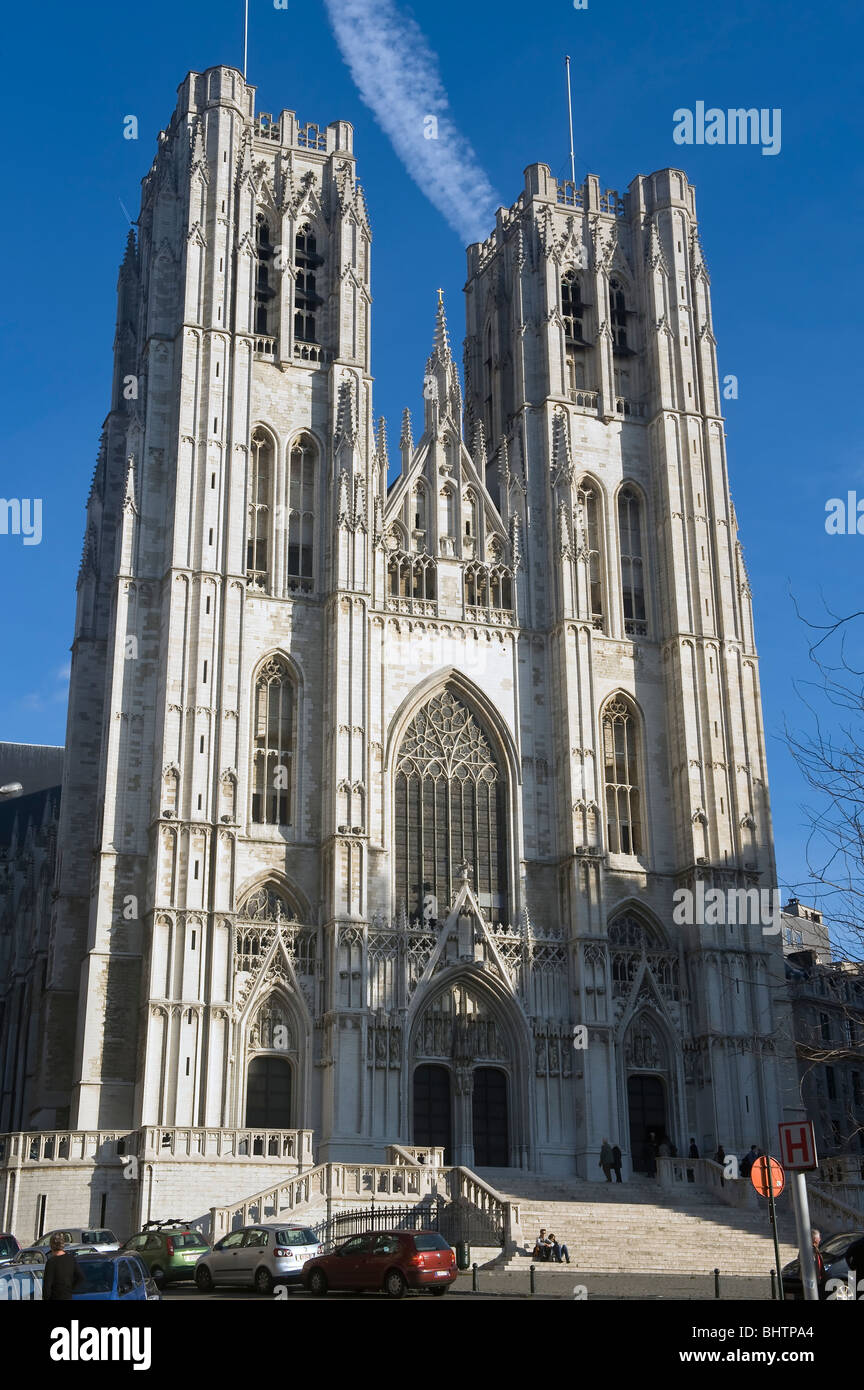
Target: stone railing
{"x":280,"y":1145}
{"x":292,"y":1146}
{"x":414,"y":1154}
{"x":265,"y":346}
{"x":340,"y":1186}
{"x":843,"y":1169}
{"x":827,"y":1205}
{"x":732,"y":1192}
{"x":65,"y":1146}
{"x":584,"y":400}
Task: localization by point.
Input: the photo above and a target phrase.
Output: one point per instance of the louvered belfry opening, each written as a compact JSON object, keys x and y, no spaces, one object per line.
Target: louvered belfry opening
{"x":450,"y":808}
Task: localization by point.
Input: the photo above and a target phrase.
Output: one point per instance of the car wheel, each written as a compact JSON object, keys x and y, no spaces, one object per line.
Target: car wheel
{"x":438,"y":1293}
{"x":318,"y":1283}
{"x":204,"y":1279}
{"x":394,"y":1284}
{"x":157,"y":1274}
{"x":263,"y":1281}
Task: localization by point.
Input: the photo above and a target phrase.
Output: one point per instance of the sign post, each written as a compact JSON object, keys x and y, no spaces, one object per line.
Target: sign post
{"x":798,"y":1152}
{"x":769,"y":1179}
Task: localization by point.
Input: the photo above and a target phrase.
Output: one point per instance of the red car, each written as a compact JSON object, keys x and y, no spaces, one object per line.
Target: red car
{"x":392,"y":1261}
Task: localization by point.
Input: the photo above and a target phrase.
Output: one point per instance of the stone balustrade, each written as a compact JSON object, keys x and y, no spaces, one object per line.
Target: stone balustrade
{"x":333,"y":1187}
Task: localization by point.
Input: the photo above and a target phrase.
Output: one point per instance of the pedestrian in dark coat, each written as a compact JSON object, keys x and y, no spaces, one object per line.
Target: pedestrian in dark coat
{"x":606,"y":1159}
{"x":63,"y":1275}
{"x":616,"y":1162}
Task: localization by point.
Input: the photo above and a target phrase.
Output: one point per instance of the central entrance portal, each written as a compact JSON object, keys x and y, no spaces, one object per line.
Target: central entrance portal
{"x":491,"y":1136}
{"x":432,"y":1109}
{"x":268,"y":1093}
{"x":646,"y":1099}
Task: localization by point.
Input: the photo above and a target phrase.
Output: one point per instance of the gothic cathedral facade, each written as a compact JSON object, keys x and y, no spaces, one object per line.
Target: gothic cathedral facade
{"x":379,"y":782}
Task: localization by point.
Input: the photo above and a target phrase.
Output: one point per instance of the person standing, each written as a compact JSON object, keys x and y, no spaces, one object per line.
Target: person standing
{"x":616,"y":1162}
{"x":720,"y":1157}
{"x":606,"y":1159}
{"x":693,"y":1152}
{"x":63,"y":1274}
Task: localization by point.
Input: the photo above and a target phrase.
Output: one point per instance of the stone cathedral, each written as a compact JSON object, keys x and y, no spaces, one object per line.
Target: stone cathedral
{"x":381,"y":772}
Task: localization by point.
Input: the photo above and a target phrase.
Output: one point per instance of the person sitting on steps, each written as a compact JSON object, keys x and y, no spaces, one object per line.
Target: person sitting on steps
{"x":559,"y":1250}
{"x":543,"y":1247}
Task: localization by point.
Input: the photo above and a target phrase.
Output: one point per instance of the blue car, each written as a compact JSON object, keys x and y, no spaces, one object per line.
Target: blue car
{"x":116,"y":1277}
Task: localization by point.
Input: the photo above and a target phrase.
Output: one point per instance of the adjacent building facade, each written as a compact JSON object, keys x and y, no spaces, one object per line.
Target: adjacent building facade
{"x":379,"y":782}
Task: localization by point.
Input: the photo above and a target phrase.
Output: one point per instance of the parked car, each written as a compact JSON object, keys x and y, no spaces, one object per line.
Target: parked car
{"x":8,"y":1245}
{"x":834,"y":1252}
{"x":261,"y":1255}
{"x":169,"y":1249}
{"x":21,"y":1283}
{"x":117,"y":1277}
{"x":101,"y":1239}
{"x":392,"y":1261}
{"x":37,"y":1254}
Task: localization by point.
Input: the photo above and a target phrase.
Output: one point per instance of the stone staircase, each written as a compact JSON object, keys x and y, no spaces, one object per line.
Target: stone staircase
{"x":640,"y":1226}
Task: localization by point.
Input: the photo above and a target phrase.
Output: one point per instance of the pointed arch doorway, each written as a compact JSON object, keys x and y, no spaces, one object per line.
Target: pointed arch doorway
{"x":490,"y":1118}
{"x":433,"y":1109}
{"x":268,"y":1093}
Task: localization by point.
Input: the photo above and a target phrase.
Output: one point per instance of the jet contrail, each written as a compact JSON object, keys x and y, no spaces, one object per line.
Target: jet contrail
{"x":396,"y":74}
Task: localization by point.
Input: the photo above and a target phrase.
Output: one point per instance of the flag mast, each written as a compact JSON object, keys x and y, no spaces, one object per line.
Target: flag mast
{"x":570,"y":114}
{"x":246,"y":37}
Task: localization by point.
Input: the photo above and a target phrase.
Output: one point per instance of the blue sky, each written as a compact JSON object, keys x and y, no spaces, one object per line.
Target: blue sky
{"x":781,"y":235}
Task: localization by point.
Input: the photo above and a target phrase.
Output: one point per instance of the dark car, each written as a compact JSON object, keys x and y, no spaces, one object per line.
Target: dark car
{"x":834,"y":1254}
{"x":169,"y":1249}
{"x":8,"y":1245}
{"x":116,"y":1276}
{"x":390,"y":1261}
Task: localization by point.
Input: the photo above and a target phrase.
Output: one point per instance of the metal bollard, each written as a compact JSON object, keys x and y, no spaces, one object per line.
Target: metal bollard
{"x":531,"y":1271}
{"x":773,"y":1286}
{"x":474,"y":1278}
{"x":716,"y":1283}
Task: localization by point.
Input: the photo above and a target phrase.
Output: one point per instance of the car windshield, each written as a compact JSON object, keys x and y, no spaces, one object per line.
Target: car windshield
{"x":8,"y":1245}
{"x":98,"y":1238}
{"x":29,"y":1257}
{"x":98,"y":1275}
{"x":433,"y":1242}
{"x":296,"y":1235}
{"x":188,"y":1240}
{"x":838,"y":1245}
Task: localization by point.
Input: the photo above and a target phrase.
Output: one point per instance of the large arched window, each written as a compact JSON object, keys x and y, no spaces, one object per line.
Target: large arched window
{"x":590,"y":552}
{"x":302,"y":471}
{"x":306,"y":297}
{"x":572,"y":308}
{"x":264,"y":290}
{"x":632,"y":571}
{"x":273,"y":744}
{"x":259,"y":510}
{"x":622,"y":777}
{"x":618,"y":314}
{"x":450,"y":808}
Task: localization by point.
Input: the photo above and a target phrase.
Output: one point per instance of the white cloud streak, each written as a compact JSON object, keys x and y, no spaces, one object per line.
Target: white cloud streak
{"x":396,"y":74}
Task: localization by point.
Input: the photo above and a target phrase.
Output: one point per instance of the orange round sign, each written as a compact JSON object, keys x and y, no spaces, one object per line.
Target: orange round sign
{"x":766,"y":1174}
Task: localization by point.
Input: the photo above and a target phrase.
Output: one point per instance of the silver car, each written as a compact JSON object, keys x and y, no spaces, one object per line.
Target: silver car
{"x":260,"y":1256}
{"x":38,"y":1254}
{"x":95,"y":1237}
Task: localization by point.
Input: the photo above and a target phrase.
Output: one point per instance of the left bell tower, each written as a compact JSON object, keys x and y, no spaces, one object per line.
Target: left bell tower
{"x":243,"y":311}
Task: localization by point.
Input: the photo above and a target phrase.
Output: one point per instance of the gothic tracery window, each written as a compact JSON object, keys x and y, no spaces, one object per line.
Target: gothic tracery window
{"x":621,"y":773}
{"x":306,"y":297}
{"x":301,"y":514}
{"x":572,"y":309}
{"x":632,"y":571}
{"x":273,"y":744}
{"x":618,"y":314}
{"x":265,"y":293}
{"x":450,"y":807}
{"x":588,"y":504}
{"x":259,"y":510}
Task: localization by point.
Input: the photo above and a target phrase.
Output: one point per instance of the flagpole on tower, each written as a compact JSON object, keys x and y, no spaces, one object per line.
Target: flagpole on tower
{"x":570,"y":114}
{"x":246,"y":37}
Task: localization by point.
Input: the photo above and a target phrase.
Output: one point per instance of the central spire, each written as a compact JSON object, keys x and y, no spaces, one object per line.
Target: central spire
{"x":441,"y":384}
